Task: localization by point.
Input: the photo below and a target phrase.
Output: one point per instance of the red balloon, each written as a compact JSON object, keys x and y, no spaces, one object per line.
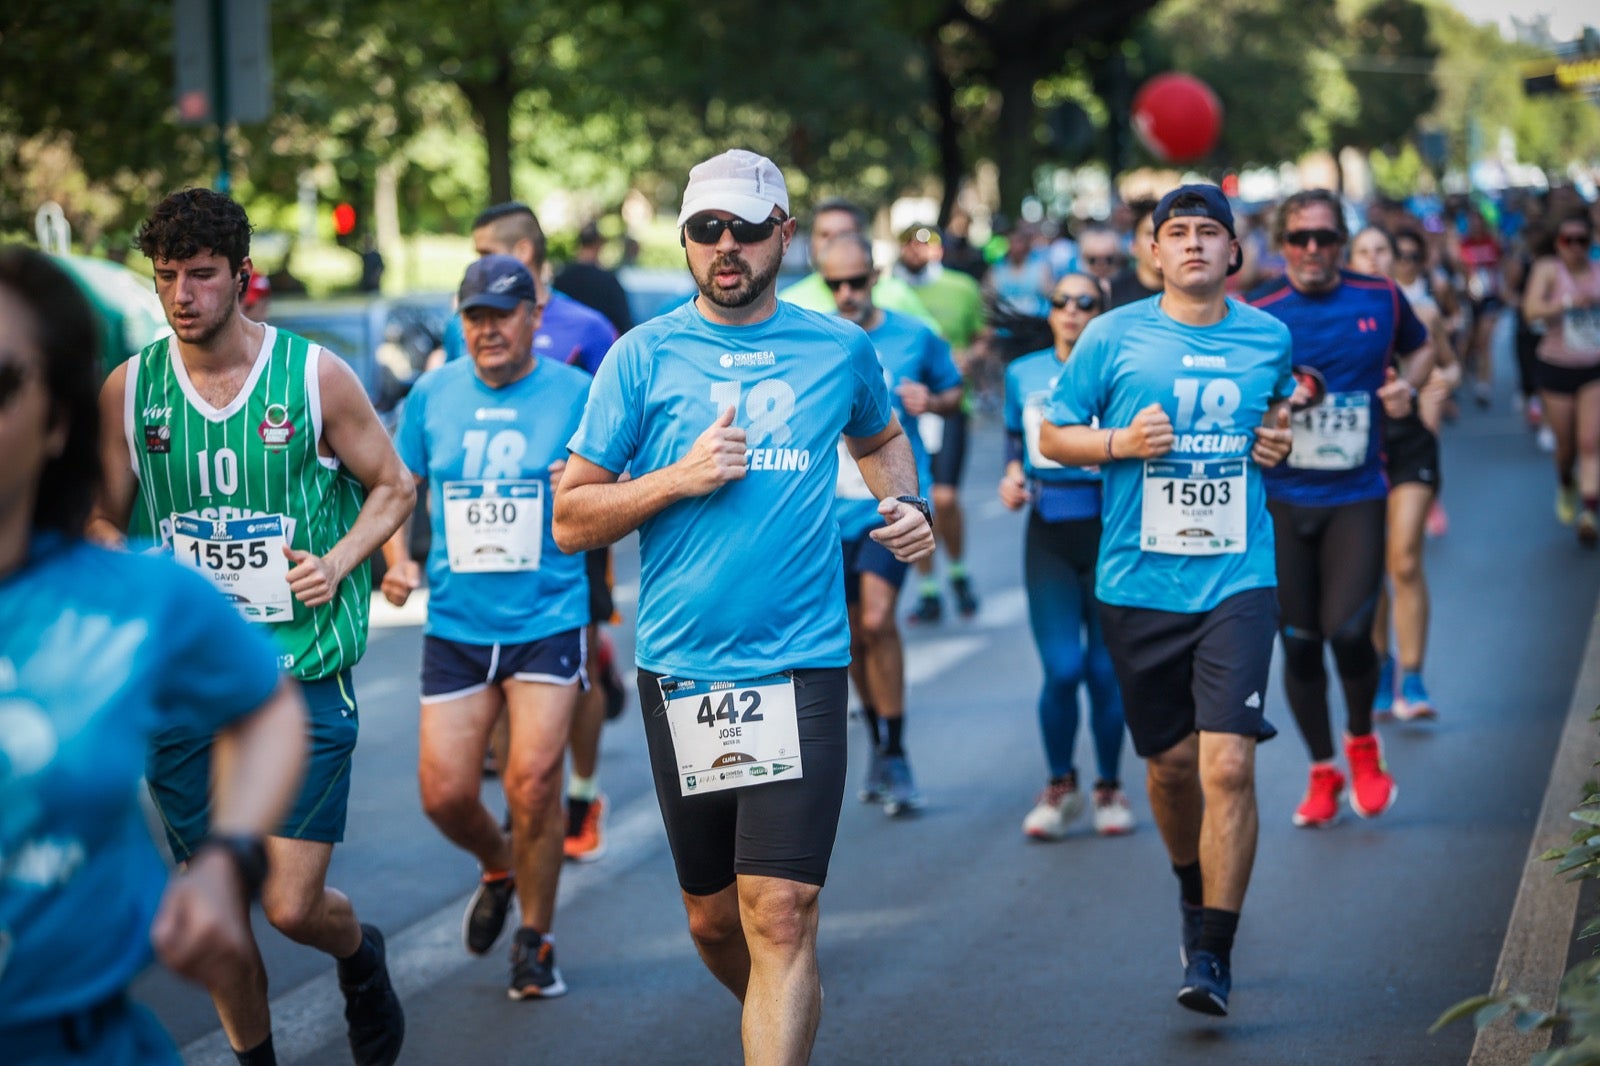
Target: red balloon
{"x":1177,"y":116}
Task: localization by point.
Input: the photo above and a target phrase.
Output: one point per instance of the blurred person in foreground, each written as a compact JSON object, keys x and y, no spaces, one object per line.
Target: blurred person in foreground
{"x":101,"y":651}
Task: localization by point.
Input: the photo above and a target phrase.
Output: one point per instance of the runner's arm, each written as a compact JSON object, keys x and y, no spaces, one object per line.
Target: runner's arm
{"x":890,"y":471}
{"x":1148,"y":436}
{"x":108,"y":521}
{"x":352,"y":433}
{"x":1538,"y":300}
{"x":401,"y":574}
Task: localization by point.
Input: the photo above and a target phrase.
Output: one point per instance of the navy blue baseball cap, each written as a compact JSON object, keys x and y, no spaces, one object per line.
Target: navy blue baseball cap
{"x":1212,"y":204}
{"x":497,"y":281}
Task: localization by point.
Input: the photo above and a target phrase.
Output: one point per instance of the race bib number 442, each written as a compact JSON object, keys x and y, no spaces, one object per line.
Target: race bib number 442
{"x":242,"y":558}
{"x":732,"y":734}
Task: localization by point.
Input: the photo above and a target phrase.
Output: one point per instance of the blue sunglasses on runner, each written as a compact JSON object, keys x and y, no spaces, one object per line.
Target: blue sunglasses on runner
{"x":708,"y":229}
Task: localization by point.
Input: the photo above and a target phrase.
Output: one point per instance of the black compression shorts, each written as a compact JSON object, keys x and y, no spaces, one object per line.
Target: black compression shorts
{"x":779,"y":829}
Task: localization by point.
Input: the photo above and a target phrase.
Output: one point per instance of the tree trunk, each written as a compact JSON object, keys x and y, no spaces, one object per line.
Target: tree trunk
{"x":952,"y":164}
{"x":491,"y":102}
{"x":1014,"y":147}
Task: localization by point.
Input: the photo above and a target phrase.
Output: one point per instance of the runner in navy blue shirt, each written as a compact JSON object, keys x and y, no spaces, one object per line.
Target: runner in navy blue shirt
{"x":1329,"y":501}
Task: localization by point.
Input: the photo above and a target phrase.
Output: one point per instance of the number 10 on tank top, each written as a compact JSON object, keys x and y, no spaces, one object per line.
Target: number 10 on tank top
{"x":732,"y":734}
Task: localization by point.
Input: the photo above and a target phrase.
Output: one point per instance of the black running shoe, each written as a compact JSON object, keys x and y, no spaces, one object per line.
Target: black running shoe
{"x":486,"y":913}
{"x":533,"y":968}
{"x":372,"y":1012}
{"x":966,"y":602}
{"x":928,"y":612}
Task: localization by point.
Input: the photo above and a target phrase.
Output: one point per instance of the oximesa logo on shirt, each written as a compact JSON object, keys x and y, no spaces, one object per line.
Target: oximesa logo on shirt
{"x":731,"y":359}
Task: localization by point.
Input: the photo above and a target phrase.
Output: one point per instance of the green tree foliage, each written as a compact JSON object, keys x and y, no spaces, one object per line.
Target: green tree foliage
{"x":1389,"y":60}
{"x":1282,"y":90}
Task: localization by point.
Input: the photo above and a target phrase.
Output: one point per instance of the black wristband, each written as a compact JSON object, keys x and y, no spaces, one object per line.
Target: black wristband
{"x":249,"y":855}
{"x":920,"y":504}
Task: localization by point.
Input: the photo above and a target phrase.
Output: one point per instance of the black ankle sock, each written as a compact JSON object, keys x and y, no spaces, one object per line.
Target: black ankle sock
{"x":260,"y":1055}
{"x":1190,"y":886}
{"x":869,"y":715}
{"x":1112,"y":784}
{"x":1216,"y":932}
{"x":891,"y":741}
{"x":360,"y":966}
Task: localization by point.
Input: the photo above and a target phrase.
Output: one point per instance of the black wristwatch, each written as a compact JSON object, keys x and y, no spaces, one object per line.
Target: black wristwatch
{"x":249,"y":857}
{"x":920,"y":504}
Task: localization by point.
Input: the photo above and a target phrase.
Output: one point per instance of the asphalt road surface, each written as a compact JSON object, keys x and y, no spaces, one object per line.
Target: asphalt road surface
{"x":949,"y":938}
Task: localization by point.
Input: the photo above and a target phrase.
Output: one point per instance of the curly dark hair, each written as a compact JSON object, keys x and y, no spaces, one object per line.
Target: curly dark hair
{"x":69,"y":342}
{"x":193,"y":222}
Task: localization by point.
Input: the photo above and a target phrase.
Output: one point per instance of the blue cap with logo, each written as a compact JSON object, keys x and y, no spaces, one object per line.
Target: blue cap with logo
{"x":497,"y":281}
{"x":1202,"y":201}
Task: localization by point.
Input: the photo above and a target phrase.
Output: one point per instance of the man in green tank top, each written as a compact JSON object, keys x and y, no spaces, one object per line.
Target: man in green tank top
{"x":255,"y":457}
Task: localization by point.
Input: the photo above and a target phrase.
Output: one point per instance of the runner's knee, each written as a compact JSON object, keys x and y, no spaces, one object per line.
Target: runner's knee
{"x":1352,"y":642}
{"x":780,"y":913}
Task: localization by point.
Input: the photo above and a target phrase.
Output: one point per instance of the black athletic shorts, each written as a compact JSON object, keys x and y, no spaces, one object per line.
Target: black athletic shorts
{"x":781,"y":829}
{"x":1182,"y":673}
{"x":597,"y":564}
{"x":1410,"y":452}
{"x":1565,"y":380}
{"x":951,"y":455}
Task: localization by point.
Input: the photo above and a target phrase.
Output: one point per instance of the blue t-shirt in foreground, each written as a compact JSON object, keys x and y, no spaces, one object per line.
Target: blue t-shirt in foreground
{"x":1215,"y":384}
{"x":486,"y":454}
{"x":99,"y":652}
{"x":1350,"y":335}
{"x":748,"y":579}
{"x":569,"y":332}
{"x":908,"y":351}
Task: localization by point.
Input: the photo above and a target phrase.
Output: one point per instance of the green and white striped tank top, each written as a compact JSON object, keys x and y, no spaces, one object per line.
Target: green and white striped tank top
{"x":257,"y":457}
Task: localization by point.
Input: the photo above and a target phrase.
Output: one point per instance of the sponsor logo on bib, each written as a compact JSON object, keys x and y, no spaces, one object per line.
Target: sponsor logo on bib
{"x":157,"y":439}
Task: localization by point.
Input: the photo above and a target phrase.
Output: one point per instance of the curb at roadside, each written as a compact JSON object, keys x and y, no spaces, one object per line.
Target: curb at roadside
{"x":1533,"y":957}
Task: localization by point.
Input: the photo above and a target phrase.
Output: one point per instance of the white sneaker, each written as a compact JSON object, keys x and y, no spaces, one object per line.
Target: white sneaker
{"x":1053,"y":811}
{"x":1112,"y":815}
{"x":1546,"y":439}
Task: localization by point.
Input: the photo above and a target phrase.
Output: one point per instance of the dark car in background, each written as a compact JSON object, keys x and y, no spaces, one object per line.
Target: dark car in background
{"x":386,"y":340}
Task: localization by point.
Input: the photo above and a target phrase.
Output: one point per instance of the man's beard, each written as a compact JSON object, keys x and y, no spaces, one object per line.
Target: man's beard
{"x":748,"y":291}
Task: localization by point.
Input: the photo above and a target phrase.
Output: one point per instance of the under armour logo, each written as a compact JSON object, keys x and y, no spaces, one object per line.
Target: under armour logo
{"x":1367,"y":325}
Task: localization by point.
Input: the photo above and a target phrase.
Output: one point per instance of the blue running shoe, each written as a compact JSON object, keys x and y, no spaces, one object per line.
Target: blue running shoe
{"x":900,"y":795}
{"x":1206,"y":984}
{"x":1383,"y":702}
{"x":1193,"y":920}
{"x":1414,"y":702}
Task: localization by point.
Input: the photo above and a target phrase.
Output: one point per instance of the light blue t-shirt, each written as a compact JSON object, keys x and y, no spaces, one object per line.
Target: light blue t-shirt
{"x":1060,"y":493}
{"x":908,"y":351}
{"x":1215,"y":383}
{"x":484,"y":450}
{"x":99,"y":652}
{"x":748,"y":579}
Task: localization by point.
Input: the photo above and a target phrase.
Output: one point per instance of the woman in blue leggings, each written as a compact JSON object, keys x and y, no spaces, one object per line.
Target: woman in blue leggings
{"x":1060,"y":550}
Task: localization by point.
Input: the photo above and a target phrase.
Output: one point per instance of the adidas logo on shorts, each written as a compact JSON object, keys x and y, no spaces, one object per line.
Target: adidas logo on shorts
{"x":1254,"y":702}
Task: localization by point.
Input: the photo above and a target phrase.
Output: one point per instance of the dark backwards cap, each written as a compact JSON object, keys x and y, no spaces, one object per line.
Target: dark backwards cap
{"x":497,"y":281}
{"x":1214,"y":206}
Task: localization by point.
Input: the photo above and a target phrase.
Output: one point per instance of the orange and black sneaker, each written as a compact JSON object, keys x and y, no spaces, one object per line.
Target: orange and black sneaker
{"x":585,"y":840}
{"x":534,"y":974}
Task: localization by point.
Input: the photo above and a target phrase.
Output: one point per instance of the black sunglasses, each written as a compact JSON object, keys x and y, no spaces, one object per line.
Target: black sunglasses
{"x":1099,"y":260}
{"x":860,"y":281}
{"x":1083,"y":301}
{"x":1410,"y":257}
{"x":12,"y":377}
{"x":1302,"y":237}
{"x":709,"y":230}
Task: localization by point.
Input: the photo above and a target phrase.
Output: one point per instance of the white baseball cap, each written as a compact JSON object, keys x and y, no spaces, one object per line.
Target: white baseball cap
{"x":737,"y":181}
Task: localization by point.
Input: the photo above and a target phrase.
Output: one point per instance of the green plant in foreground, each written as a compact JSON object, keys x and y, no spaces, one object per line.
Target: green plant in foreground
{"x":1576,"y":1016}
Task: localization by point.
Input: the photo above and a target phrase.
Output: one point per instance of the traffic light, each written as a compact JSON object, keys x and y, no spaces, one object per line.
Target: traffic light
{"x":344,"y":220}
